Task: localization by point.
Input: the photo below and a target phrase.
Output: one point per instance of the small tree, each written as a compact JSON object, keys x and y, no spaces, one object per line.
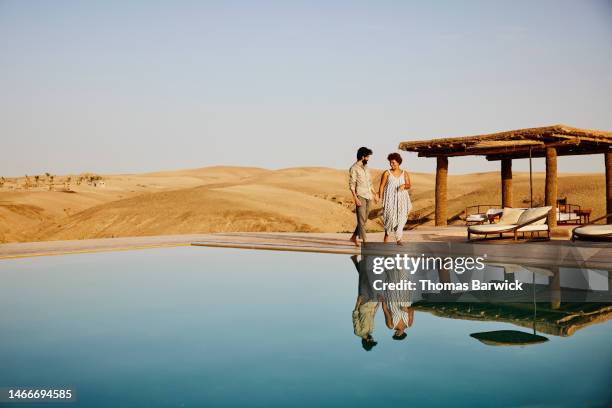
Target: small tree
{"x":2,"y":181}
{"x":36,"y":179}
{"x":51,"y":178}
{"x":67,"y":183}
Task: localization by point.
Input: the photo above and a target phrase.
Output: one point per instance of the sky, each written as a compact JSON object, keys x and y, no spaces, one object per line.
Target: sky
{"x":136,"y":86}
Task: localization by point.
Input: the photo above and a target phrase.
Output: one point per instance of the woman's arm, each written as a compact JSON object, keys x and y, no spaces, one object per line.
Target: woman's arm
{"x":383,"y":183}
{"x":407,"y":180}
{"x":388,"y":320}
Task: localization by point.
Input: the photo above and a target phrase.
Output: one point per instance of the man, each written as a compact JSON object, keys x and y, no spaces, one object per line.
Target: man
{"x":365,"y":306}
{"x":363,"y":192}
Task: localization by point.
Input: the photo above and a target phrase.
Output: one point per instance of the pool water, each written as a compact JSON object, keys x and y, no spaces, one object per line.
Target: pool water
{"x":191,"y":327}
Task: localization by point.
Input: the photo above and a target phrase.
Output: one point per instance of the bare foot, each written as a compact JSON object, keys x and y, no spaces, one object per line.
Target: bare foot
{"x":400,"y":242}
{"x":354,"y":241}
{"x":386,"y":239}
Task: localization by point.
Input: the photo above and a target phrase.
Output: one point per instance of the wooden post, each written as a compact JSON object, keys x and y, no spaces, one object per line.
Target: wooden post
{"x":441,"y":186}
{"x":554,"y":285}
{"x":550,"y":196}
{"x":608,"y":161}
{"x":506,"y":182}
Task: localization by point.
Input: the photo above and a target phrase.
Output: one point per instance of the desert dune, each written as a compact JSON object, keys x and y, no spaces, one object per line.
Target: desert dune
{"x":230,"y":199}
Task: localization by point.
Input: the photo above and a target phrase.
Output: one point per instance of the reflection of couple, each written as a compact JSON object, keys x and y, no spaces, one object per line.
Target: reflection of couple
{"x":393,"y":192}
{"x":396,"y":305}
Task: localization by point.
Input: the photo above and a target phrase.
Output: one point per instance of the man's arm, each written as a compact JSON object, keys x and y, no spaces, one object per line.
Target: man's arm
{"x":372,"y":190}
{"x":353,"y":185}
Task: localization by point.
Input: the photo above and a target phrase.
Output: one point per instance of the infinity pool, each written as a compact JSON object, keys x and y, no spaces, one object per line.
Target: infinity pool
{"x":191,"y":327}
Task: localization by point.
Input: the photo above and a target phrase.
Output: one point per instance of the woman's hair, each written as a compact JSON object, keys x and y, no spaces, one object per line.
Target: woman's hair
{"x":399,"y":337}
{"x":363,"y":152}
{"x":396,"y":157}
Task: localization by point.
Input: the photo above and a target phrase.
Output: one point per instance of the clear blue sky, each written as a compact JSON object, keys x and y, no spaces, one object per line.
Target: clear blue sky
{"x":130,"y":86}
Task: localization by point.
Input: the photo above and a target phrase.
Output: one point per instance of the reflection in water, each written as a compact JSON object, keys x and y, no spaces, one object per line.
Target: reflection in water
{"x":365,"y":309}
{"x":555,"y":301}
{"x":396,"y":305}
{"x":513,"y":337}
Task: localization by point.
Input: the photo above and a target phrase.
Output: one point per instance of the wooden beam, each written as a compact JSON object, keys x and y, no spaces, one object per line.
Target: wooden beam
{"x":608,"y":162}
{"x":506,"y":182}
{"x":441,"y":190}
{"x":574,"y":151}
{"x":550,"y":190}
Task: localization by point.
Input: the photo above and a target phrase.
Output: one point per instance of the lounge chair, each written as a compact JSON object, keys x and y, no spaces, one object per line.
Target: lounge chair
{"x":565,"y":216}
{"x":592,"y":232}
{"x":515,"y":220}
{"x":480,"y":216}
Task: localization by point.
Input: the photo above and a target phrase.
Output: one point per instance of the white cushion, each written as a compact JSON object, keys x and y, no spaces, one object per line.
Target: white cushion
{"x":567,"y":216}
{"x":511,"y":215}
{"x":533,"y":227}
{"x":476,"y":217}
{"x":489,"y":228}
{"x":494,"y":211}
{"x":594,"y":230}
{"x":533,"y":213}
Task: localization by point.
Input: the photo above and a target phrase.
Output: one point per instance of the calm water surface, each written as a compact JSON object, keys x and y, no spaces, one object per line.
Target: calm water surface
{"x":224,"y":327}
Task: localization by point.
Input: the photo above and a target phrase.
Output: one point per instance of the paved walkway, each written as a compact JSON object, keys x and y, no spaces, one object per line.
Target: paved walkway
{"x":303,"y":242}
{"x":313,"y":242}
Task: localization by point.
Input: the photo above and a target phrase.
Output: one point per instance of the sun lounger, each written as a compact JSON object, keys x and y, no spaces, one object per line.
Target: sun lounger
{"x":515,"y":221}
{"x":565,"y":218}
{"x":593,"y":232}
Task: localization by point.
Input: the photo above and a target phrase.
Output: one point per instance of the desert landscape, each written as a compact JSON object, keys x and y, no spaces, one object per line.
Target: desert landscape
{"x":233,"y":199}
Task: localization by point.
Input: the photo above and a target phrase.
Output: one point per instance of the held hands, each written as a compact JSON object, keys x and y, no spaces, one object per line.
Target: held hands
{"x":357,"y":202}
{"x":376,"y":198}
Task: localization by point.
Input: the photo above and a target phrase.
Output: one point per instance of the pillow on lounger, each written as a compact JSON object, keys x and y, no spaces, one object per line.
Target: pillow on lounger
{"x":511,"y":215}
{"x":532,"y":213}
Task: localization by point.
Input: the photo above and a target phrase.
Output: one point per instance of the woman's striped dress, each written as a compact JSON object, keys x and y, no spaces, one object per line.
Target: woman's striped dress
{"x":396,"y":206}
{"x":398,"y":299}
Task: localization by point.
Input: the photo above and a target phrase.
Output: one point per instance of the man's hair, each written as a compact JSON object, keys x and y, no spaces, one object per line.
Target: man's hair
{"x":396,"y":157}
{"x":363,"y":152}
{"x":400,"y":337}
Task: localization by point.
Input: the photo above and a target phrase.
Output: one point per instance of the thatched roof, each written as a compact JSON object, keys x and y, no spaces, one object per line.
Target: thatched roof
{"x":517,"y":143}
{"x":563,"y":320}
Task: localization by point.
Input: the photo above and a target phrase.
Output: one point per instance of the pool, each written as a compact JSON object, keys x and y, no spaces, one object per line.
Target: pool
{"x":190,"y":327}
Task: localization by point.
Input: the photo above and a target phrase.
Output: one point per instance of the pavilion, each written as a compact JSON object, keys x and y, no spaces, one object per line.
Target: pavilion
{"x":548,"y":142}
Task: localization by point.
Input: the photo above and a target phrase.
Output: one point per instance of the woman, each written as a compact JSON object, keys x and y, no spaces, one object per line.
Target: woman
{"x":397,"y":305}
{"x":393,"y":192}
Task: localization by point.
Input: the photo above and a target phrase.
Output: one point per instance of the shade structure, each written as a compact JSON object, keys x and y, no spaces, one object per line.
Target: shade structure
{"x":548,"y":141}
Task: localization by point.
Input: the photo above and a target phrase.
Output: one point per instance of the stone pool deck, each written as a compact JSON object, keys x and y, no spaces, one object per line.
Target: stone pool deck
{"x":303,"y":242}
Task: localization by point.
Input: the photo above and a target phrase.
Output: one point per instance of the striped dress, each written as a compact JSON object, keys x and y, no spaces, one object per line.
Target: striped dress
{"x":396,"y":206}
{"x":396,"y":299}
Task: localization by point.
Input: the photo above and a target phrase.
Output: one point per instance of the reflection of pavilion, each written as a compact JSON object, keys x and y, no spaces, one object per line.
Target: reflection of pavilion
{"x":588,"y":299}
{"x":553,"y":284}
{"x":566,"y":286}
{"x":564,"y":321}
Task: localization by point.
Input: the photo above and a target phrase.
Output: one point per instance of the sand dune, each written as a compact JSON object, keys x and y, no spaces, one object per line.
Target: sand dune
{"x":219,"y":199}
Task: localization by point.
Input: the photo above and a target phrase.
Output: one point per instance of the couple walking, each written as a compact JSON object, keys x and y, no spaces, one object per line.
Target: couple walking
{"x":396,"y":305}
{"x":393,"y":192}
